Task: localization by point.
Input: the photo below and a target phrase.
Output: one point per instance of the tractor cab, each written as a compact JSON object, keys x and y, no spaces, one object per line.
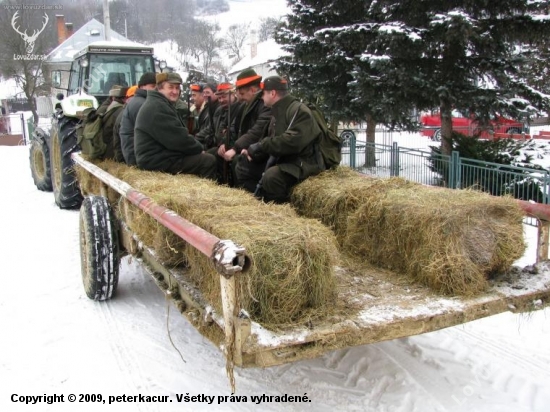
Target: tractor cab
{"x":101,"y":65}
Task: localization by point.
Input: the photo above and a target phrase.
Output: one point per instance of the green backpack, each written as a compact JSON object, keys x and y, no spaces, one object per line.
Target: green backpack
{"x":330,"y":144}
{"x":90,"y":134}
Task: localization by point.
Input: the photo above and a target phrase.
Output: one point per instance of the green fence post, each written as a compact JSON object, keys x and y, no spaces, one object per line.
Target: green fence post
{"x":352,"y":151}
{"x":394,"y":159}
{"x":454,"y":171}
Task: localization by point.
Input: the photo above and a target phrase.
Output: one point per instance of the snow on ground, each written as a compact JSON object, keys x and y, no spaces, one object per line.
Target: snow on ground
{"x":55,"y":340}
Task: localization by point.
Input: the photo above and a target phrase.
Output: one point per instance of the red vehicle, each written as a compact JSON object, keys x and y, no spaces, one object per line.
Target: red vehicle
{"x":431,"y":126}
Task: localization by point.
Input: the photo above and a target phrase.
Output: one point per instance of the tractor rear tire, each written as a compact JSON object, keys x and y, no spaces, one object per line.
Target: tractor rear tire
{"x":39,"y":158}
{"x":63,"y":142}
{"x":99,"y":248}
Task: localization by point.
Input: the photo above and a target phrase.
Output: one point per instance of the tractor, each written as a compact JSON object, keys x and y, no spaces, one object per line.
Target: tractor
{"x":93,"y":72}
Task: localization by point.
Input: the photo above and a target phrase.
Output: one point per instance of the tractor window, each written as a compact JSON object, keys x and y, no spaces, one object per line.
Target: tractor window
{"x":109,"y":70}
{"x":74,"y":78}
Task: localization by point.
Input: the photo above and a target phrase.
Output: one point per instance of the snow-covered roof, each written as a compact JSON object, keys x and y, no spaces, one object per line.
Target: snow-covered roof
{"x":267,"y":51}
{"x":91,"y":32}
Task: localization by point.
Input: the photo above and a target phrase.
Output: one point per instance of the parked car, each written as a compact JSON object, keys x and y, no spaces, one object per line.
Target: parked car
{"x":431,"y":126}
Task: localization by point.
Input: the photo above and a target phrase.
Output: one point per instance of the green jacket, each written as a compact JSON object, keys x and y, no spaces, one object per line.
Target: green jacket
{"x":109,"y":120}
{"x":160,"y":136}
{"x":250,"y":123}
{"x":296,"y":147}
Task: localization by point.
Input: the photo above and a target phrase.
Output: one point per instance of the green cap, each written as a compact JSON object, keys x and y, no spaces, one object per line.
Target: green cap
{"x":169,"y":77}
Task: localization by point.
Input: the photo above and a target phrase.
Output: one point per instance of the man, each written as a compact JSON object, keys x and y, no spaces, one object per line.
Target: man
{"x":292,"y":144}
{"x":146,"y":82}
{"x":229,"y":107}
{"x":206,"y":121}
{"x":118,"y":156}
{"x":162,"y":142}
{"x":250,"y":124}
{"x":117,"y":98}
{"x":225,"y":113}
{"x":197,"y":106}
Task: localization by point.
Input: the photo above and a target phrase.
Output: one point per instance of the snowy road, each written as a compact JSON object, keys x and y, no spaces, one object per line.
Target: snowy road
{"x":56,"y":341}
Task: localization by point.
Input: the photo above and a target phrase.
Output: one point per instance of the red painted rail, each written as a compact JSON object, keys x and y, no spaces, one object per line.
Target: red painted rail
{"x":228,"y":257}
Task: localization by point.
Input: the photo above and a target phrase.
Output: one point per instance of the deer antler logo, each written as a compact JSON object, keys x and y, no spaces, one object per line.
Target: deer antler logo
{"x":29,"y":40}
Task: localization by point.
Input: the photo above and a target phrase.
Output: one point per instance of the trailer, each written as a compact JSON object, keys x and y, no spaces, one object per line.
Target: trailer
{"x":390,"y":306}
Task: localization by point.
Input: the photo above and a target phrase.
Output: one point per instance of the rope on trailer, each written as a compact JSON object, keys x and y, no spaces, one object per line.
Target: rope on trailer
{"x":168,"y":293}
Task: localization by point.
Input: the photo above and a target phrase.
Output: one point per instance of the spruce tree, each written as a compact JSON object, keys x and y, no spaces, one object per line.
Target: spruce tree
{"x":377,"y":60}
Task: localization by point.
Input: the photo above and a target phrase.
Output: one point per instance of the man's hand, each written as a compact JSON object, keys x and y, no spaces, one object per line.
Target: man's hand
{"x":228,"y":155}
{"x":221,"y":150}
{"x":244,"y":152}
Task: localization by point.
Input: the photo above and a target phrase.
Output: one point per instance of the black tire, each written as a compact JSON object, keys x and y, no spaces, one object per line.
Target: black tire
{"x":437,"y":135}
{"x":347,"y":136}
{"x":513,"y":130}
{"x":63,"y":143}
{"x":99,"y":248}
{"x":39,"y":158}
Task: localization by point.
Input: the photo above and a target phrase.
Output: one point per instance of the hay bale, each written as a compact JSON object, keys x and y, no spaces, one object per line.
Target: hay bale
{"x":333,"y":196}
{"x":450,"y":240}
{"x":293,"y":258}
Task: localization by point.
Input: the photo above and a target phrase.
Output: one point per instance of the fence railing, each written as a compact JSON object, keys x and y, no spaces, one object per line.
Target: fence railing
{"x":448,"y":171}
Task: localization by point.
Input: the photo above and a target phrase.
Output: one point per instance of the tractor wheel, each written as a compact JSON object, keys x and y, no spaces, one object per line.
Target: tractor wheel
{"x":62,"y":144}
{"x":99,"y":248}
{"x":39,"y":158}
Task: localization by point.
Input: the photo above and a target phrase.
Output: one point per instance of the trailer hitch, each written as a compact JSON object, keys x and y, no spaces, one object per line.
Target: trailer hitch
{"x":229,"y":258}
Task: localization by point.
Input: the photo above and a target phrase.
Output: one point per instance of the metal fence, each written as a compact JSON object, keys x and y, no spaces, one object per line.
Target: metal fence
{"x":430,"y":168}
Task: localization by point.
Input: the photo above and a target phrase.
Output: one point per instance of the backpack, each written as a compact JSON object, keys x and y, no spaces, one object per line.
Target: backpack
{"x":90,"y":134}
{"x":330,"y":144}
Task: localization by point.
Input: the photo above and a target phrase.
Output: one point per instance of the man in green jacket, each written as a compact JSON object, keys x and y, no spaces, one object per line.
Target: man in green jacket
{"x":162,"y":142}
{"x":248,"y":126}
{"x":292,"y":144}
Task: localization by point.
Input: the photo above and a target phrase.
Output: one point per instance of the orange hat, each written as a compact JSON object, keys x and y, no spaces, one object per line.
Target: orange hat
{"x":224,"y":88}
{"x":131,"y":91}
{"x":248,"y":77}
{"x":196,"y":87}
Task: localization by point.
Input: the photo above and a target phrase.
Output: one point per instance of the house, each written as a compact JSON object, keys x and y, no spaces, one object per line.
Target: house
{"x":260,"y":59}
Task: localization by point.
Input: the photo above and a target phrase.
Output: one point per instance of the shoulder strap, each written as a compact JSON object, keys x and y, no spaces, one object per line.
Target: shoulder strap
{"x":295,"y":112}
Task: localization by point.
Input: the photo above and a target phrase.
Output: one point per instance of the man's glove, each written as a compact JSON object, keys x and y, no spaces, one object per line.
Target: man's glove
{"x":256,"y":153}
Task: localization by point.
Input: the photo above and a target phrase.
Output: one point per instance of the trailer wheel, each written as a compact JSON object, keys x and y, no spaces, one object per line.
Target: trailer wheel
{"x":99,"y":248}
{"x":39,"y":158}
{"x":63,"y":143}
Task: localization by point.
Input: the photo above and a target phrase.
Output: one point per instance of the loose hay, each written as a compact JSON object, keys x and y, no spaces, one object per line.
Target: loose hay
{"x":450,"y":240}
{"x":293,"y":259}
